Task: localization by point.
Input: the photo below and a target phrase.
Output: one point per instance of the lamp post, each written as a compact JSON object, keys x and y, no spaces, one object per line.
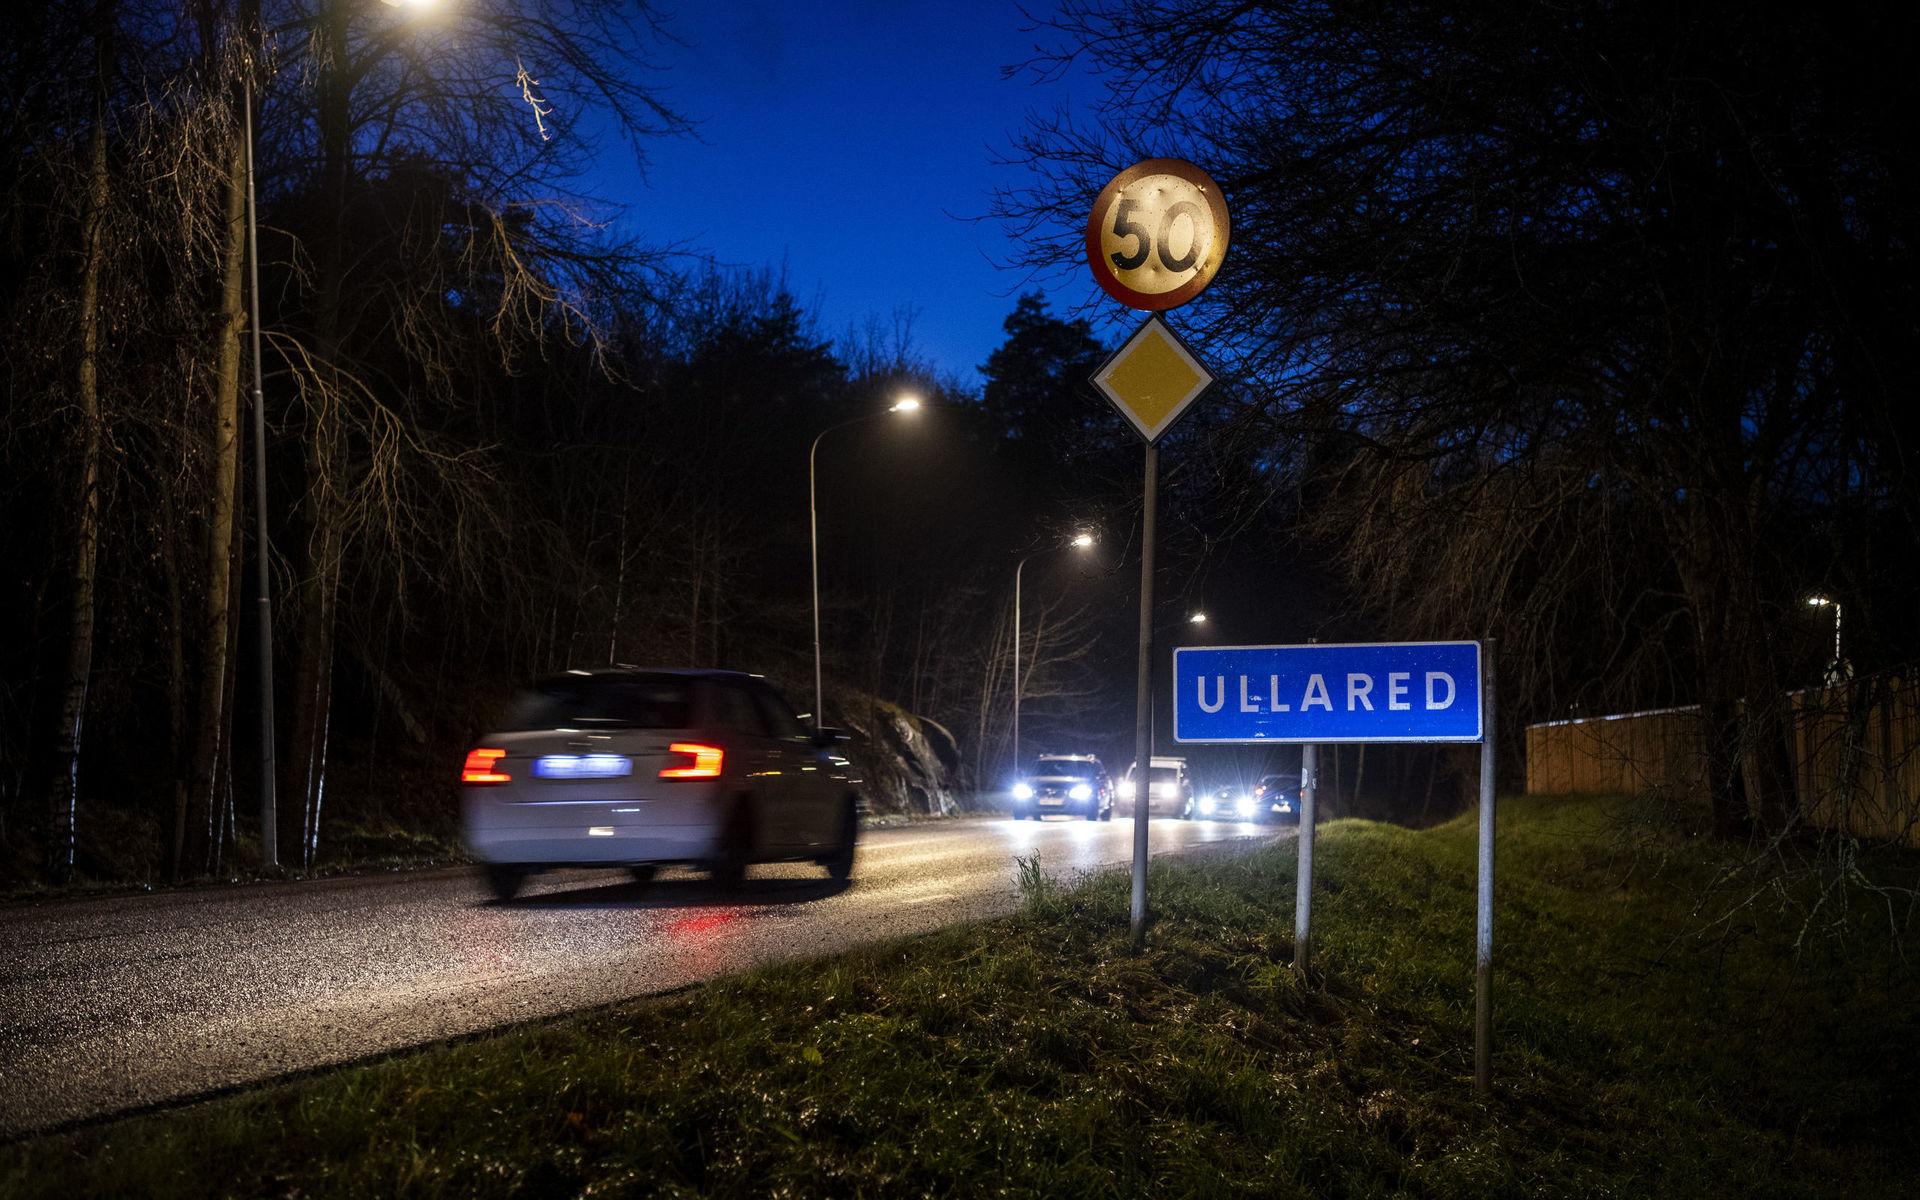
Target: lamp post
{"x":905,"y":404}
{"x":1836,"y":672}
{"x":263,"y":598}
{"x":1079,"y":542}
{"x":269,"y":808}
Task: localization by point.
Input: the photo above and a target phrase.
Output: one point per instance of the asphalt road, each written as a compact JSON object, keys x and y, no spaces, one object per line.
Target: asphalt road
{"x":114,"y":1004}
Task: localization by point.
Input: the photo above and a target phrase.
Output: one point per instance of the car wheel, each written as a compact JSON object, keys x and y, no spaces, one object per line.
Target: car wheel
{"x":1106,"y":814}
{"x":729,"y":865}
{"x":839,"y":864}
{"x":643,"y":873}
{"x":505,"y":881}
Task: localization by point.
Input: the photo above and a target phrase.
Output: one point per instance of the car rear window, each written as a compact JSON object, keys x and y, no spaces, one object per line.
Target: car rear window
{"x":664,"y":702}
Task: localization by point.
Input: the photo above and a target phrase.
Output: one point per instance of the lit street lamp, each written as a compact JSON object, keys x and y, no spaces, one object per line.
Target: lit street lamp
{"x":905,"y":404}
{"x":1837,"y":671}
{"x":269,"y":807}
{"x":1079,"y":542}
{"x":1198,"y":618}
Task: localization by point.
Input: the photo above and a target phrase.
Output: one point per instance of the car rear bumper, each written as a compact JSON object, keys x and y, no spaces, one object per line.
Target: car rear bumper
{"x":496,"y":830}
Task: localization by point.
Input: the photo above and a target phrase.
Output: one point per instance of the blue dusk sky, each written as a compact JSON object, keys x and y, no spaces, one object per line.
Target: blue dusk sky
{"x":850,"y":141}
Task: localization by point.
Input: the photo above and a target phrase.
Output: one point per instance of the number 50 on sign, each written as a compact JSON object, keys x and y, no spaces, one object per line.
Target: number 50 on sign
{"x":1157,"y":234}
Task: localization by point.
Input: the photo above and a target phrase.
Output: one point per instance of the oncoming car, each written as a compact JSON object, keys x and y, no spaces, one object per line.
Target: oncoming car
{"x":1277,"y":798}
{"x":640,"y":768}
{"x":1227,"y":804}
{"x":1069,"y":784}
{"x":1172,"y":792}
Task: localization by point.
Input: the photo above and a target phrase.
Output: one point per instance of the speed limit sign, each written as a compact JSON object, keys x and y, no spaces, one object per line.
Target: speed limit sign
{"x":1157,"y":234}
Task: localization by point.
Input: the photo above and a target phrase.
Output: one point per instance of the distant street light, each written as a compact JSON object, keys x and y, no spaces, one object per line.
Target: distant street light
{"x":1080,"y":541}
{"x":906,"y":403}
{"x":1837,"y":671}
{"x":1198,"y":618}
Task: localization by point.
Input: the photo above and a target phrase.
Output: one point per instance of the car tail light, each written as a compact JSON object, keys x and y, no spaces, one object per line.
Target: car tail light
{"x":704,"y":762}
{"x":480,"y":767}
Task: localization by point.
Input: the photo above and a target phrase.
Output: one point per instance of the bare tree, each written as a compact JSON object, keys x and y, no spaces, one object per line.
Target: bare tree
{"x":64,"y":795}
{"x":1593,"y":298}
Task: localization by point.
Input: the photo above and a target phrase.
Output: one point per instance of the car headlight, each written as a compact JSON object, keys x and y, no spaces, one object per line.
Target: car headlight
{"x":1206,"y":804}
{"x":1022,"y":792}
{"x":1081,"y":791}
{"x":1125,"y":789}
{"x":1245,"y":806}
{"x":1166,"y":791}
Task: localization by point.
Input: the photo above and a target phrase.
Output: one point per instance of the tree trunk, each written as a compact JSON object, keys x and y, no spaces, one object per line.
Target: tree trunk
{"x":63,"y":795}
{"x":180,"y":767}
{"x":313,"y":681}
{"x":217,"y":614}
{"x":305,"y":773}
{"x":317,"y":783}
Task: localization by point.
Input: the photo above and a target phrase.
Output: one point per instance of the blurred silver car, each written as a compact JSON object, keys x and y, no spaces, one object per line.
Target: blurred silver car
{"x":639,"y":768}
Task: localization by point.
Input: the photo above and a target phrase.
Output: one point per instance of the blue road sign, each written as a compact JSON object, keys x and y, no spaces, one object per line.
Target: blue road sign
{"x":1373,"y":692}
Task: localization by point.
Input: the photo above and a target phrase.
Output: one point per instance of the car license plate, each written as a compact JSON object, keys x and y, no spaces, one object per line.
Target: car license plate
{"x":582,"y":766}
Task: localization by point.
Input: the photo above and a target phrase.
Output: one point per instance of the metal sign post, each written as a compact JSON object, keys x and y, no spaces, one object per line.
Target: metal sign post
{"x":1143,"y":702}
{"x":1483,"y":915}
{"x":1303,"y":887}
{"x":1155,"y":237}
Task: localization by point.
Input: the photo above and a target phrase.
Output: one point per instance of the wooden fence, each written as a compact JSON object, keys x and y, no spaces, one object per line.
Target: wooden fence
{"x":1855,"y":750}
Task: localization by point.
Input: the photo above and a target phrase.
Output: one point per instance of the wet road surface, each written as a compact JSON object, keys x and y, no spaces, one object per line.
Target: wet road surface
{"x":113,"y":1004}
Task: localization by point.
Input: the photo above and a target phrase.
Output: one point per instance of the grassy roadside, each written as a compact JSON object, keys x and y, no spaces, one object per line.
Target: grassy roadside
{"x":1036,"y":1056}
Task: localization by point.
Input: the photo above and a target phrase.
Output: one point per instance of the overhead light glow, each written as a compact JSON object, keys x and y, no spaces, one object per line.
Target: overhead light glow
{"x":1083,"y":541}
{"x":905,"y":404}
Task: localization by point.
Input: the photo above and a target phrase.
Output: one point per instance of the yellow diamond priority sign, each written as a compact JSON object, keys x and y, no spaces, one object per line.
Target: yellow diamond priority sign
{"x":1152,"y":379}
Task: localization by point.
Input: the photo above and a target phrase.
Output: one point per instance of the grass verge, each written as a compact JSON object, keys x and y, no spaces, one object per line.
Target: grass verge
{"x":1638,"y":1055}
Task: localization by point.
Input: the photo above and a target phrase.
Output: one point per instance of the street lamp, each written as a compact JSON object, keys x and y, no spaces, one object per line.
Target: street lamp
{"x":269,"y":807}
{"x":1836,"y":672}
{"x":1082,"y":541}
{"x":1198,"y":618}
{"x":905,"y":403}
